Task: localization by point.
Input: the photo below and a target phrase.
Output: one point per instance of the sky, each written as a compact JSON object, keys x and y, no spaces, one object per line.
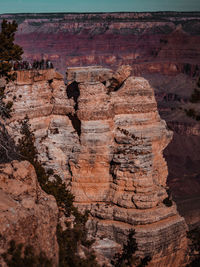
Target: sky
{"x":36,"y":6}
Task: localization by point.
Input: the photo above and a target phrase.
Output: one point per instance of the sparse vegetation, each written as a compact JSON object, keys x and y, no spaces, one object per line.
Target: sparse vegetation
{"x":9,"y":51}
{"x":167,"y":201}
{"x":5,"y":108}
{"x":18,"y":256}
{"x":70,"y":239}
{"x":127,"y":258}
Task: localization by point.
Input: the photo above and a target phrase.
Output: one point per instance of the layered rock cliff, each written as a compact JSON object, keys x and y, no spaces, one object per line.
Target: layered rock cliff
{"x":163,"y":47}
{"x":112,"y":39}
{"x":103,"y":135}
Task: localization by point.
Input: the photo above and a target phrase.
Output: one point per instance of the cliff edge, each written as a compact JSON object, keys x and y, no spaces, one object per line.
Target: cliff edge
{"x":103,"y":135}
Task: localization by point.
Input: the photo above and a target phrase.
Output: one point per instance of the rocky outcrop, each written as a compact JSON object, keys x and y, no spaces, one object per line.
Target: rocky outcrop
{"x":28,"y":215}
{"x":120,"y":173}
{"x":103,"y":135}
{"x":160,"y":46}
{"x":41,"y":95}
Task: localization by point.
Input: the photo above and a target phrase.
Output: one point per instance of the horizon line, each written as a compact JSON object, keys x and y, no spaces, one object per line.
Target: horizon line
{"x":100,"y":12}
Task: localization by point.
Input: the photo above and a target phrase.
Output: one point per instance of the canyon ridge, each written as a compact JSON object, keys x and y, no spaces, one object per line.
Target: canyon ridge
{"x":110,"y":157}
{"x":100,"y":129}
{"x":163,"y":47}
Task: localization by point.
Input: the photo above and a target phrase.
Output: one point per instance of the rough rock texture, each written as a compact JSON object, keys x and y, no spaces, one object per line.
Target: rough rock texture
{"x":28,"y":215}
{"x":119,"y":173}
{"x":103,"y":135}
{"x":42,"y":96}
{"x":163,"y":46}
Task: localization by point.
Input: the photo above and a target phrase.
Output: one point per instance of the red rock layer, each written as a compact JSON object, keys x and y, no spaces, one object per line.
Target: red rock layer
{"x":110,"y":39}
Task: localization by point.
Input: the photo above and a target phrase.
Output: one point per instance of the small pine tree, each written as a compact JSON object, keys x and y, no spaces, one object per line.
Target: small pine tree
{"x":126,"y":258}
{"x":9,"y":51}
{"x":17,"y":255}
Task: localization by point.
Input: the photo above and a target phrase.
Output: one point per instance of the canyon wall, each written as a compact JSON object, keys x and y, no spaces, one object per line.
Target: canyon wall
{"x":113,"y":39}
{"x":163,"y":47}
{"x":103,"y":135}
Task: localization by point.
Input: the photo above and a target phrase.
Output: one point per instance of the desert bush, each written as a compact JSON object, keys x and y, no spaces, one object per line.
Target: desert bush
{"x":9,"y":51}
{"x":128,"y":258}
{"x":167,"y":201}
{"x":18,"y":256}
{"x":5,"y":108}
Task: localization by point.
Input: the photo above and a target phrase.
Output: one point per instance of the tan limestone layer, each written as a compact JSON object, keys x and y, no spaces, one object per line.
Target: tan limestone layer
{"x":42,"y":96}
{"x":115,"y":162}
{"x":28,"y":215}
{"x":38,"y":97}
{"x":120,"y":173}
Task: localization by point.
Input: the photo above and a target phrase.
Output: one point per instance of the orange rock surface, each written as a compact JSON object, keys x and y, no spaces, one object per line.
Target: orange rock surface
{"x":103,"y":135}
{"x":28,"y":215}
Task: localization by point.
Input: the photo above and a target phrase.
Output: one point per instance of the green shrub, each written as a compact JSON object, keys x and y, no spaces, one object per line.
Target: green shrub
{"x":167,"y":201}
{"x":127,"y":258}
{"x":17,"y":256}
{"x":8,"y":50}
{"x":5,"y":108}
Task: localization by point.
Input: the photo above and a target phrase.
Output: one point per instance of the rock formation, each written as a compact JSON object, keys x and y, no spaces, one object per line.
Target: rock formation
{"x":120,"y":173}
{"x":163,"y":47}
{"x":103,"y":135}
{"x":28,"y":215}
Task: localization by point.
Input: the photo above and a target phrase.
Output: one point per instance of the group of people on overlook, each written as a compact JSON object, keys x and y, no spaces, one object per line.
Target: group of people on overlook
{"x":36,"y":65}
